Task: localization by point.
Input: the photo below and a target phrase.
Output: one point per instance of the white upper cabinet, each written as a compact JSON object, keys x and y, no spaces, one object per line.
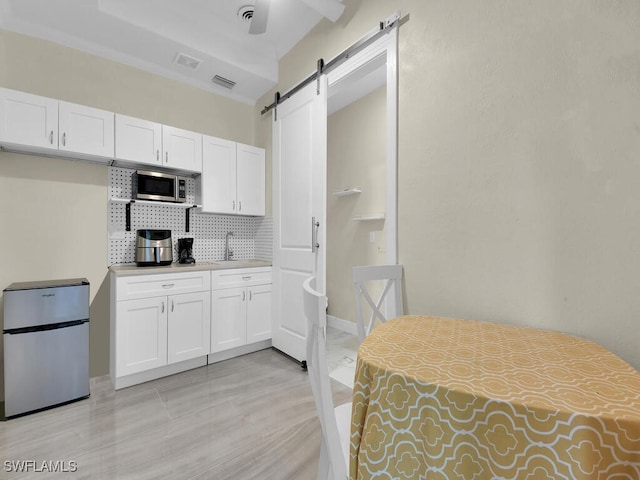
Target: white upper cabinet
{"x":217,"y":183}
{"x":149,"y":143}
{"x":250,"y":180}
{"x":182,"y":149}
{"x":44,"y":125}
{"x":85,"y":130}
{"x":233,"y":178}
{"x":36,"y":124}
{"x":28,"y":120}
{"x":138,"y":140}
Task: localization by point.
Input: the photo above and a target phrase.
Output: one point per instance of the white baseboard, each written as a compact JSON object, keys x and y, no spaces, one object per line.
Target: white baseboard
{"x":342,"y":324}
{"x":140,"y":377}
{"x":236,"y":352}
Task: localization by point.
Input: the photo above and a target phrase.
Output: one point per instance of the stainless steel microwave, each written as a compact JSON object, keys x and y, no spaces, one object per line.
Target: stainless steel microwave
{"x":159,"y":186}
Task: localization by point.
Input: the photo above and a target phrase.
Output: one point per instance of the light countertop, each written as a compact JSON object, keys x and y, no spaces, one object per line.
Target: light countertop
{"x":132,"y":269}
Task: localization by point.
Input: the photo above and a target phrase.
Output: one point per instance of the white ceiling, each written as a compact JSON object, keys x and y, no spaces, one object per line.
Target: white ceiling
{"x":149,"y":34}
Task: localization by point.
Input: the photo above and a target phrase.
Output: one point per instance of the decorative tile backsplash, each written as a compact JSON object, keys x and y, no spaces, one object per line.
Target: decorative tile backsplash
{"x":252,"y":236}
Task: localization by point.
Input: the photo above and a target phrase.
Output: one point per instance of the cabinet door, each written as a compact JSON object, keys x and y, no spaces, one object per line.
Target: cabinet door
{"x":138,"y":140}
{"x":141,"y":335}
{"x":259,"y":313}
{"x":189,"y":326}
{"x":228,"y":319}
{"x":28,"y":120}
{"x":250,"y":180}
{"x":182,"y":149}
{"x":218,"y":180}
{"x":85,"y":130}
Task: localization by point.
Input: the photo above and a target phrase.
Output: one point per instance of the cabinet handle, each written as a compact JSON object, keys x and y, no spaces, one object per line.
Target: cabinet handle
{"x":234,"y":206}
{"x":172,"y":305}
{"x":248,"y":277}
{"x":157,"y":155}
{"x":168,"y":285}
{"x":239,"y":206}
{"x":250,"y":295}
{"x":243,"y":295}
{"x":314,"y":235}
{"x":163,"y":306}
{"x":51,"y":137}
{"x":166,"y":157}
{"x":64,"y":139}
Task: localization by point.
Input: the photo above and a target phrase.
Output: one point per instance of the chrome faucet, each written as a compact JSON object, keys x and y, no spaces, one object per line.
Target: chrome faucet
{"x":228,"y":253}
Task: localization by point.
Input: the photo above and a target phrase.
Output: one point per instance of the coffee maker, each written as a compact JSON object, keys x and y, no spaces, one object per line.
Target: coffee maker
{"x":185,"y":247}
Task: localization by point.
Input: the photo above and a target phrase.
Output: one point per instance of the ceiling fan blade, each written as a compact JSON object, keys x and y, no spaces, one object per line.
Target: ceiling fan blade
{"x":260,"y":16}
{"x":331,"y":9}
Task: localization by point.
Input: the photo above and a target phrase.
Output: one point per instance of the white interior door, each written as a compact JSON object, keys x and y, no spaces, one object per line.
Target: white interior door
{"x":299,"y":195}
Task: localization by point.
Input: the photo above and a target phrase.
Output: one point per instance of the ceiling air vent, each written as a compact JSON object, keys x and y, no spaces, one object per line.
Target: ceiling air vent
{"x":223,"y":82}
{"x":187,"y":61}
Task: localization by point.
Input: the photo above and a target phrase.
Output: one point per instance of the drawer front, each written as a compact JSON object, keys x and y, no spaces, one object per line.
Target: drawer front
{"x":145,"y":286}
{"x":240,"y":277}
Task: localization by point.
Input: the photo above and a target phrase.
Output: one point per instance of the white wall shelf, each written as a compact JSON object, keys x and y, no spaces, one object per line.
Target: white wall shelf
{"x":369,"y":217}
{"x":129,"y":202}
{"x":152,"y":202}
{"x":352,"y":190}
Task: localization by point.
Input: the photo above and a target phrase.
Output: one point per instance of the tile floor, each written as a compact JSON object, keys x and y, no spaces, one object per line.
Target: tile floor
{"x":342,"y":349}
{"x":251,"y":417}
{"x":248,"y":418}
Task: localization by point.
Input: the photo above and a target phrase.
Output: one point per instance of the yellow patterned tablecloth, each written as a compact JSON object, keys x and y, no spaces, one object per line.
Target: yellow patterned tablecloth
{"x":447,"y":399}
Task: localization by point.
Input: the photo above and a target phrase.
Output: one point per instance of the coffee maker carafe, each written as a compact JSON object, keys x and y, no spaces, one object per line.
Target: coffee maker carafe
{"x":185,"y":247}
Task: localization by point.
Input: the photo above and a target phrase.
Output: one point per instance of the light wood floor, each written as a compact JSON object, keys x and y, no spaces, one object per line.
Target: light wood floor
{"x":251,"y":417}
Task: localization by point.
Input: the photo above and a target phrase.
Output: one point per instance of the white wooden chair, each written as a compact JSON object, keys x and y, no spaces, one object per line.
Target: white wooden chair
{"x":391,"y":277}
{"x":335,"y":422}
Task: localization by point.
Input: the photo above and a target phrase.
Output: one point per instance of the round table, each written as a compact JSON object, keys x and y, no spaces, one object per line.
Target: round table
{"x":443,"y":398}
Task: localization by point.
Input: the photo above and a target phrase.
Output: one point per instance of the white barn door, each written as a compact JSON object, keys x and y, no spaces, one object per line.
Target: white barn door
{"x":299,"y":211}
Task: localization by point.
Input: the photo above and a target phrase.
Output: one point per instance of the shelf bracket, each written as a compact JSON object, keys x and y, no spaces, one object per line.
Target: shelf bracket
{"x":128,"y":215}
{"x":187,"y":215}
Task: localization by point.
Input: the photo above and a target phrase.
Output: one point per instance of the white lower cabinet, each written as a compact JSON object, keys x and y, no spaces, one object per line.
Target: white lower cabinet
{"x":141,"y":335}
{"x":228,"y":318}
{"x":165,"y":323}
{"x":241,"y":309}
{"x":188,"y":326}
{"x":158,"y":320}
{"x":259,"y":313}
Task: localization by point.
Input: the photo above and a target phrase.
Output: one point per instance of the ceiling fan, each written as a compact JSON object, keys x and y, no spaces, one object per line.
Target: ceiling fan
{"x":331,"y":9}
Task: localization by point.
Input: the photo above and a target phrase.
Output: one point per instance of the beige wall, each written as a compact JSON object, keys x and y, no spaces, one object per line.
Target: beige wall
{"x":518,"y":158}
{"x":356,"y":155}
{"x":53,"y":212}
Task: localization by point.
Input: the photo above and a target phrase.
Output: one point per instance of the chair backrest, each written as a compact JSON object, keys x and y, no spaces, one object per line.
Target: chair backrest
{"x":315,"y":305}
{"x":391,"y":277}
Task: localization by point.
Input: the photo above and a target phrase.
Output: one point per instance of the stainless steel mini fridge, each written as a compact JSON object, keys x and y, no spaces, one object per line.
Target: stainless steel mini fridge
{"x":46,"y":344}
